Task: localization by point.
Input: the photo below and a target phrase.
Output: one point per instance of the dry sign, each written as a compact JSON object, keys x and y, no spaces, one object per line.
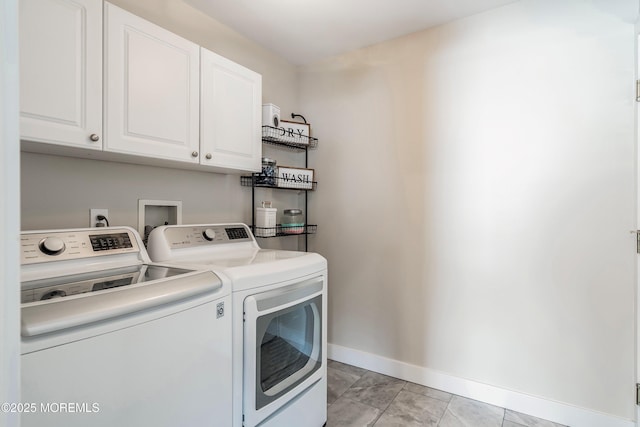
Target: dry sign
{"x":296,"y":133}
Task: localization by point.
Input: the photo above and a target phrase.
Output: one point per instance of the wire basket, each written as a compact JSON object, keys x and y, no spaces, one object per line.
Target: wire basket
{"x":280,"y":230}
{"x":278,"y":136}
{"x":259,"y":180}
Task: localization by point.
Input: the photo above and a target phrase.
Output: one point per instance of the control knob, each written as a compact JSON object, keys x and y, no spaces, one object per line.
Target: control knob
{"x":52,"y":245}
{"x":209,"y":234}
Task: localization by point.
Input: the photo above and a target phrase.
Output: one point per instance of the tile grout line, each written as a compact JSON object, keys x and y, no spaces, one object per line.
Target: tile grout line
{"x":348,"y":388}
{"x":365,"y":404}
{"x":382,"y":411}
{"x":445,"y":410}
{"x":387,"y":407}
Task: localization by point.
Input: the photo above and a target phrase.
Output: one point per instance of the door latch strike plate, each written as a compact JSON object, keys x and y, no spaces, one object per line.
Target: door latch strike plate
{"x":637,"y":233}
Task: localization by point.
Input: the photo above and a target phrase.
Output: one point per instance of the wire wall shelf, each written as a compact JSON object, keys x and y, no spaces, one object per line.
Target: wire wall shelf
{"x":292,"y":138}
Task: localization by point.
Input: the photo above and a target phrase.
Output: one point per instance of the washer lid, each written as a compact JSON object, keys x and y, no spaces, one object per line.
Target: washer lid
{"x":59,"y":312}
{"x":96,"y":281}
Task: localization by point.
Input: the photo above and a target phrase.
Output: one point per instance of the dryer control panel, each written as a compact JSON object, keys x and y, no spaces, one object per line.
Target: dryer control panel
{"x":186,"y":236}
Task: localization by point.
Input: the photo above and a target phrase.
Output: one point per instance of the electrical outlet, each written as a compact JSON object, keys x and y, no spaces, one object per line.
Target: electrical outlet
{"x":93,"y":217}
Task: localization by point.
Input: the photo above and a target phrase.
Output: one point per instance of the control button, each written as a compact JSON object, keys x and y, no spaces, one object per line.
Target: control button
{"x":209,"y":234}
{"x":52,"y":245}
{"x":236,"y":233}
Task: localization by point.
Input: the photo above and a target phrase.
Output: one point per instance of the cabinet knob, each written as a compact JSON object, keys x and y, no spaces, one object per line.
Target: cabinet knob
{"x":94,"y":137}
{"x":194,"y":154}
{"x":208,"y":156}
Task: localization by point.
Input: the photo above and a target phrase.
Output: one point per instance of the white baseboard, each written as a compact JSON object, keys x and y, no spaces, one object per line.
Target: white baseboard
{"x":562,"y":413}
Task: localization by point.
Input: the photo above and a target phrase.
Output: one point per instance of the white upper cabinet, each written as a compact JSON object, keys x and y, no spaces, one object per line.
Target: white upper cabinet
{"x":151,"y":89}
{"x":230,"y":115}
{"x":61,"y":72}
{"x":162,"y":100}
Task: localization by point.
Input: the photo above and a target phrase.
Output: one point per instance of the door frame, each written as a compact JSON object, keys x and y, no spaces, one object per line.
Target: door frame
{"x":637,"y":194}
{"x":10,"y":212}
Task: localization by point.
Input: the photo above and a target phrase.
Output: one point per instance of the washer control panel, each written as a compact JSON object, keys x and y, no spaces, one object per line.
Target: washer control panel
{"x":74,"y":244}
{"x":189,"y":236}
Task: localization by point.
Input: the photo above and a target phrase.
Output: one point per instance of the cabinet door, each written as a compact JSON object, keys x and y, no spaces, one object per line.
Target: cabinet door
{"x":61,"y":72}
{"x":230,"y":116}
{"x":151,"y":89}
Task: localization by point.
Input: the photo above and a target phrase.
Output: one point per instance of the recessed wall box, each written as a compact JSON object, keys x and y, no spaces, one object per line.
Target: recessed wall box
{"x":152,"y":213}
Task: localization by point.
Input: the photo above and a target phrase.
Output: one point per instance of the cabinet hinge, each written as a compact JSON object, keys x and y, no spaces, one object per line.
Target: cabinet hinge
{"x":637,"y":90}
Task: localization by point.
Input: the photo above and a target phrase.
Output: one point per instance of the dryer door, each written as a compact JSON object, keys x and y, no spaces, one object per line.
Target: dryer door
{"x":283,"y":339}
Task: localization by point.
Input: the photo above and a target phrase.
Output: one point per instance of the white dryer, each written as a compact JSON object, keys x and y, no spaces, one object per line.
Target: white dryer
{"x":279,"y":320}
{"x":111,"y":339}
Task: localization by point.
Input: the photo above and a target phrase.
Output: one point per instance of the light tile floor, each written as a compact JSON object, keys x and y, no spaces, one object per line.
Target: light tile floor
{"x":361,"y":398}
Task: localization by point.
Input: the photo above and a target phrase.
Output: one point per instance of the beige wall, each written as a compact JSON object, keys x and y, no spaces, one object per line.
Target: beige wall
{"x":475,"y":200}
{"x":57,"y":192}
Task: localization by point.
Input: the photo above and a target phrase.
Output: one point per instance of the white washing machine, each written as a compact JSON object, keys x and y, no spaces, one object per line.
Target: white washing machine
{"x":279,"y":320}
{"x":111,"y":339}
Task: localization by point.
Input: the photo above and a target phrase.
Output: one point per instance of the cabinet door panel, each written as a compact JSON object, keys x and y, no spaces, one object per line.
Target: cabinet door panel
{"x":152,"y":89}
{"x":61,"y":71}
{"x":231,"y":114}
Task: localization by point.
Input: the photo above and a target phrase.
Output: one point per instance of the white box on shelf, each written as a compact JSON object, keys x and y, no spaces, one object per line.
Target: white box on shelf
{"x":270,"y":115}
{"x":266,"y":220}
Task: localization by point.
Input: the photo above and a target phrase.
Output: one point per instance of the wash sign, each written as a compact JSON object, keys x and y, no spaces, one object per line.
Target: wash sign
{"x":289,"y":177}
